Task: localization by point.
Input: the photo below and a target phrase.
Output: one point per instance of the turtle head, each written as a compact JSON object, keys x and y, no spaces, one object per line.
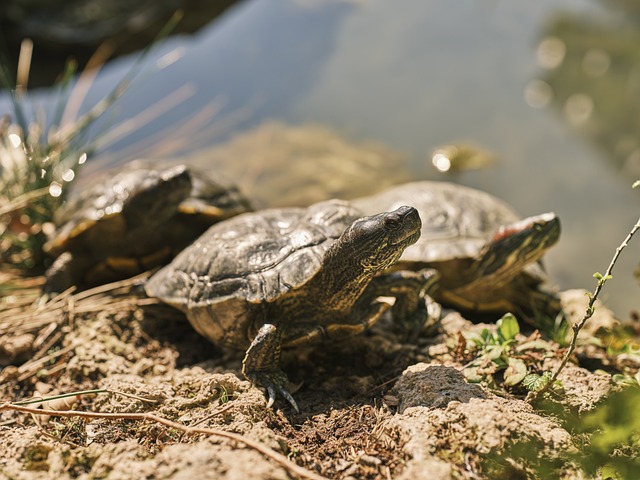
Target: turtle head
{"x":378,"y":241}
{"x":155,"y":196}
{"x":518,"y":244}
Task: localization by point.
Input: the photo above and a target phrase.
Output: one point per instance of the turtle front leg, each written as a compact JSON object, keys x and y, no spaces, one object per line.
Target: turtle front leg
{"x":66,"y":271}
{"x":261,"y":364}
{"x":412,"y":291}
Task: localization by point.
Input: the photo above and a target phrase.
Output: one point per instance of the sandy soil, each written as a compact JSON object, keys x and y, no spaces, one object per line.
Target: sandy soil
{"x":372,"y":406}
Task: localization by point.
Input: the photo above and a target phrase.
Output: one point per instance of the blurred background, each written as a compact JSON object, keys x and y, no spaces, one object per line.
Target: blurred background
{"x":297,"y":100}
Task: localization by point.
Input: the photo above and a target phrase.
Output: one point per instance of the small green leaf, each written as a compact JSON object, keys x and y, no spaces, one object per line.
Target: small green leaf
{"x":602,"y":278}
{"x":534,"y":345}
{"x":472,"y":375}
{"x":500,"y":363}
{"x":475,"y":338}
{"x":625,"y":380}
{"x":560,"y":332}
{"x":609,"y":471}
{"x":531,"y":381}
{"x":535,"y":382}
{"x":488,"y":337}
{"x":508,"y":326}
{"x":495,"y":351}
{"x":515,"y":372}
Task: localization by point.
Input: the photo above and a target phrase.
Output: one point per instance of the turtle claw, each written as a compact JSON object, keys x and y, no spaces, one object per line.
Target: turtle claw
{"x":273,"y":391}
{"x":260,"y":364}
{"x":275,"y":383}
{"x":272,"y":396}
{"x":422,"y":320}
{"x":291,"y":401}
{"x":412,"y":326}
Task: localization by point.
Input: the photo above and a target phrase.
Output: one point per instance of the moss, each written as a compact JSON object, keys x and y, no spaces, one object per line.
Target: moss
{"x":36,"y":457}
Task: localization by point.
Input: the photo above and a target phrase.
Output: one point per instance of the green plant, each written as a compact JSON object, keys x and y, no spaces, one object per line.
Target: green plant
{"x":537,"y":381}
{"x":224,"y":395}
{"x":559,"y":331}
{"x":627,"y":379}
{"x":40,"y":157}
{"x":613,"y":428}
{"x":609,"y":446}
{"x":577,"y":327}
{"x":497,"y":353}
{"x":34,"y":176}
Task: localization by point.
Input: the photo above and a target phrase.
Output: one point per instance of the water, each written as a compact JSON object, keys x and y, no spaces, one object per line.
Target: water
{"x":419,"y":74}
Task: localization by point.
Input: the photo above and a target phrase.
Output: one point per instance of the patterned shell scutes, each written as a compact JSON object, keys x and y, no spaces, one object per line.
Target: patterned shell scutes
{"x":107,"y":197}
{"x":456,"y":220}
{"x":256,"y":257}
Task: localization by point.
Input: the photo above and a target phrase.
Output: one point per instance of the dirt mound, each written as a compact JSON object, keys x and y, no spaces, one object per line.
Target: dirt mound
{"x":167,"y":404}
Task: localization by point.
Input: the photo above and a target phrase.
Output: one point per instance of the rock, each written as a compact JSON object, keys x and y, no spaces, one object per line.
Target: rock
{"x":574,"y":304}
{"x":433,"y":386}
{"x":441,"y":416}
{"x":583,"y":389}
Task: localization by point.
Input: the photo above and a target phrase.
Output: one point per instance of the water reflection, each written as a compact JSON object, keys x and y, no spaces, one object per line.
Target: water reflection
{"x":284,"y":165}
{"x":593,"y":76}
{"x":417,"y":76}
{"x":258,"y":64}
{"x":459,"y":157}
{"x":61,"y":29}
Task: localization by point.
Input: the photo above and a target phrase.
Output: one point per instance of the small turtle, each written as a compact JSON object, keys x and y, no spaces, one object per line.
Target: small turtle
{"x":282,"y":277}
{"x":134,"y":219}
{"x":485,"y":255}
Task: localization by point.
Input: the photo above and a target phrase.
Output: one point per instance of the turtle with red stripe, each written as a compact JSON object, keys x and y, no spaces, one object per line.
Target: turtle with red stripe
{"x":486,"y":256}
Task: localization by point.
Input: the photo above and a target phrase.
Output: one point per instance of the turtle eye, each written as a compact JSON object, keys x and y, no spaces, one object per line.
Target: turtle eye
{"x":391,"y":222}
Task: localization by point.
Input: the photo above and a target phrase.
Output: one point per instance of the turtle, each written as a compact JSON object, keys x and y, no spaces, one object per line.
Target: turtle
{"x":132,"y":219}
{"x":486,"y":256}
{"x":286,"y":276}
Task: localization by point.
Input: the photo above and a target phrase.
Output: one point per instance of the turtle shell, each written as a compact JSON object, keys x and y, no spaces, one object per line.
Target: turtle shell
{"x":457,"y":221}
{"x":133,"y":219}
{"x":117,"y":212}
{"x":223,"y":280}
{"x":484,"y":254}
{"x":213,"y":198}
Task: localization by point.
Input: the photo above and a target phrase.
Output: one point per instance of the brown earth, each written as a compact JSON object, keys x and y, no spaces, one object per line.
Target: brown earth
{"x":372,"y":406}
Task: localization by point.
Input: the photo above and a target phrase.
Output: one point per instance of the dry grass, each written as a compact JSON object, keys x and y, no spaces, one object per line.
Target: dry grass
{"x":31,"y":323}
{"x":42,"y":151}
{"x":24,"y":311}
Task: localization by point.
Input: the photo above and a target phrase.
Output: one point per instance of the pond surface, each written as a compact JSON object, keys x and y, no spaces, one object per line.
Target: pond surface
{"x":551,"y":88}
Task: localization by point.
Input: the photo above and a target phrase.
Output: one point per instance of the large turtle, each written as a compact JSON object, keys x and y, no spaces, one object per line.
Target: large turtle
{"x":132,"y":219}
{"x":485,"y":254}
{"x":288,"y":276}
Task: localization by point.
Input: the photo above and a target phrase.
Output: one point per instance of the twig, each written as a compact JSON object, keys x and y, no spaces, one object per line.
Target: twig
{"x":83,"y":392}
{"x":30,"y":366}
{"x":264,"y":450}
{"x":577,"y":327}
{"x":228,"y":406}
